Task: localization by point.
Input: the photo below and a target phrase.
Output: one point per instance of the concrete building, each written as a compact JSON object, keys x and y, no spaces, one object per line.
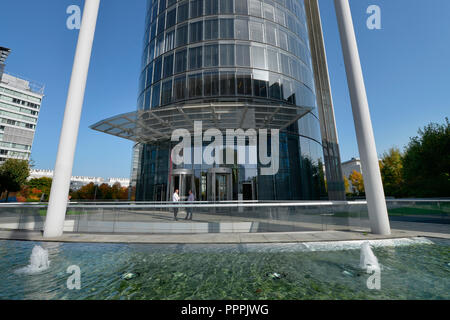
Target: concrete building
{"x":20,"y":103}
{"x":233,"y":64}
{"x":76,"y":182}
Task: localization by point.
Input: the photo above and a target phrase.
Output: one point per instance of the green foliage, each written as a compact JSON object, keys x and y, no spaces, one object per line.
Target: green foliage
{"x":391,"y":166}
{"x":13,"y":174}
{"x":426,"y":162}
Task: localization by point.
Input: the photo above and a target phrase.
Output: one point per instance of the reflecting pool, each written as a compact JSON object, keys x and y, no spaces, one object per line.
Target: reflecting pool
{"x":416,"y":268}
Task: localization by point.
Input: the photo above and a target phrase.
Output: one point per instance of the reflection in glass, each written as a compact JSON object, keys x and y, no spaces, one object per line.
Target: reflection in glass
{"x":195,"y":85}
{"x":180,"y":87}
{"x":195,"y":58}
{"x":211,"y":83}
{"x":243,"y":55}
{"x":227,"y":83}
{"x":227,"y":54}
{"x":182,"y":35}
{"x":211,"y":55}
{"x":226,"y":28}
{"x":155,"y":95}
{"x":211,"y":29}
{"x":181,"y":61}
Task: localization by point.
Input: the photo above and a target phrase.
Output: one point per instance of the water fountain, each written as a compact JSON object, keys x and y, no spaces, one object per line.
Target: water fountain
{"x":38,"y":262}
{"x":368,"y":258}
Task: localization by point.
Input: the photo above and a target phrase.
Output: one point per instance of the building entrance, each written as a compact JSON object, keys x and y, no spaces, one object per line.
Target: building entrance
{"x":220,"y":184}
{"x":183,"y":180}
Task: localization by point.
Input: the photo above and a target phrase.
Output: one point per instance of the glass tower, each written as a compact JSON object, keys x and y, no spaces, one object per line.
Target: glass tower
{"x":232,"y":64}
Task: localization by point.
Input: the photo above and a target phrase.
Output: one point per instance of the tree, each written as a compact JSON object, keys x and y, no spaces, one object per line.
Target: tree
{"x":426,"y":162}
{"x":391,"y":167}
{"x":357,"y":181}
{"x":44,"y":184}
{"x":347,"y":185}
{"x":13,"y":174}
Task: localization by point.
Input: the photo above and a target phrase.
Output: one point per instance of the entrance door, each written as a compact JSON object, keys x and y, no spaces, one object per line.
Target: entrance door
{"x":219,"y":184}
{"x":247,"y":191}
{"x":183,"y":180}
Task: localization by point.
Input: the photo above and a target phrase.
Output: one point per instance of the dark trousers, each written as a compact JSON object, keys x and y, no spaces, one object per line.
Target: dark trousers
{"x":189,"y":213}
{"x":175,"y":212}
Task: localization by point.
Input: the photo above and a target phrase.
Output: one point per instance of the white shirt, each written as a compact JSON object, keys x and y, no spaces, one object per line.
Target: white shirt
{"x":176,"y":198}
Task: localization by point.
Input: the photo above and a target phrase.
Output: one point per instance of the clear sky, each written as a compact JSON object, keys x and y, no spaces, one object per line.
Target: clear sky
{"x":406,"y":67}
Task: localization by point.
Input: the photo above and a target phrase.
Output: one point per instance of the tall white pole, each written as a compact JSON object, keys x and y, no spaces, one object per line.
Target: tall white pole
{"x":373,"y":185}
{"x":56,"y":213}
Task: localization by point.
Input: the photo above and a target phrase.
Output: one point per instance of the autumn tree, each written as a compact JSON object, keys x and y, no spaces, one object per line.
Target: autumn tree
{"x":357,"y":181}
{"x":391,"y":167}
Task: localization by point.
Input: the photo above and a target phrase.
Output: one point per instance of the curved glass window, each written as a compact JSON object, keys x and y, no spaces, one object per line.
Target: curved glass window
{"x":211,"y":7}
{"x":263,"y":42}
{"x":211,"y":29}
{"x":211,"y":56}
{"x":226,"y":6}
{"x":183,"y":12}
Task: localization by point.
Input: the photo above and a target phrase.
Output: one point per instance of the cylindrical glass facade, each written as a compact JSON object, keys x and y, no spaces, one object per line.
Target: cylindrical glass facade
{"x":222,"y":51}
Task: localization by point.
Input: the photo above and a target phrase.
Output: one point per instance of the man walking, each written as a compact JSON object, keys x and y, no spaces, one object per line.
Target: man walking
{"x":175,"y":199}
{"x":189,"y":210}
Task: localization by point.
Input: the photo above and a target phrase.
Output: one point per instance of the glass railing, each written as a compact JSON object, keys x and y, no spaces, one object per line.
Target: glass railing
{"x":223,"y":217}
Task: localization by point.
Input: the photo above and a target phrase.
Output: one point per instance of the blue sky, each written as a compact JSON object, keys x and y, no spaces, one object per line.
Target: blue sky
{"x":406,"y":68}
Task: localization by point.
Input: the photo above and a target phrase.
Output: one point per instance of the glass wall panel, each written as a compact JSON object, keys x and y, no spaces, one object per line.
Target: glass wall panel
{"x":226,"y":28}
{"x":161,"y":23}
{"x":259,"y":57}
{"x":211,"y":83}
{"x":155,"y":95}
{"x":157,"y":71}
{"x":159,"y":45}
{"x":280,"y":17}
{"x":168,"y":65}
{"x":226,"y":6}
{"x":166,"y":94}
{"x":180,"y":87}
{"x":195,"y":58}
{"x":282,"y":39}
{"x":274,"y":86}
{"x":244,"y":83}
{"x":211,"y":56}
{"x":272,"y":60}
{"x":149,"y":75}
{"x":227,"y":83}
{"x":170,"y":41}
{"x":181,"y":61}
{"x":183,"y":12}
{"x":211,"y":7}
{"x":284,"y":63}
{"x":162,"y":5}
{"x":182,"y":35}
{"x":171,"y":18}
{"x":271,"y":37}
{"x":195,"y":85}
{"x":196,"y":32}
{"x":241,"y":7}
{"x":196,"y":8}
{"x":269,"y":13}
{"x":227,"y":55}
{"x":255,"y":8}
{"x":256,"y":31}
{"x":211,"y":29}
{"x":241,"y":29}
{"x":153,"y":31}
{"x":243,"y":55}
